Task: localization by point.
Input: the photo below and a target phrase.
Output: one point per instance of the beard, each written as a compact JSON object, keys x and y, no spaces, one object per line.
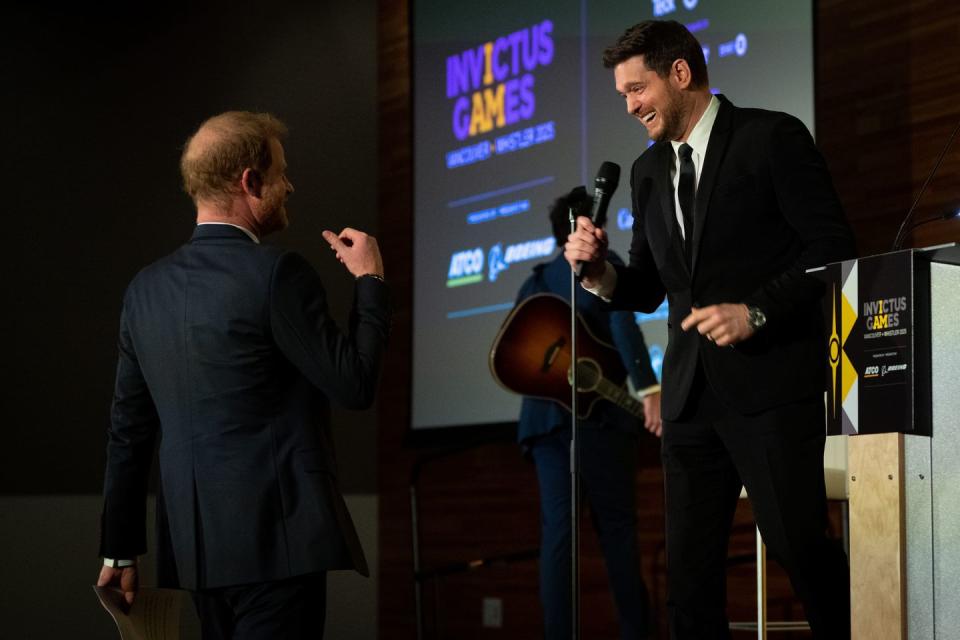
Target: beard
{"x":672,"y":117}
{"x":275,"y":209}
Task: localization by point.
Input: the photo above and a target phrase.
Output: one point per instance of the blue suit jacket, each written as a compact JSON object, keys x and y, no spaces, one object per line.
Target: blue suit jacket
{"x":228,"y":354}
{"x":539,"y":417}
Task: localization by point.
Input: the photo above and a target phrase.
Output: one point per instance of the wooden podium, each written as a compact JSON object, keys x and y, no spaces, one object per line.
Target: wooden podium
{"x":894,"y":371}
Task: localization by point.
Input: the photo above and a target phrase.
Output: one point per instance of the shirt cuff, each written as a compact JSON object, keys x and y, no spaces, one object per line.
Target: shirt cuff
{"x":607,"y":284}
{"x":652,"y":389}
{"x":117,"y":563}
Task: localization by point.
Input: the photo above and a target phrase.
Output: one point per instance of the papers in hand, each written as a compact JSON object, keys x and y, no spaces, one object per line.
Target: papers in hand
{"x":155,"y":614}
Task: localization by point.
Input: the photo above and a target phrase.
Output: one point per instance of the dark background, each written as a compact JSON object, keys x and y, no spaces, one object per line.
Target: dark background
{"x":98,"y":102}
{"x":95,"y":106}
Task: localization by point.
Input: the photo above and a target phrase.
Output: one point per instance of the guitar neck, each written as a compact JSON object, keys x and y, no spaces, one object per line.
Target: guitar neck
{"x":620,"y":396}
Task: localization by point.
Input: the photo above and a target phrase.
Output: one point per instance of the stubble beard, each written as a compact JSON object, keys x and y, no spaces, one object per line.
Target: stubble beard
{"x":672,"y":118}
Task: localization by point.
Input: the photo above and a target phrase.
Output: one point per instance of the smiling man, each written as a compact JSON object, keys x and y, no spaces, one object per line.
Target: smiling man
{"x":730,"y":206}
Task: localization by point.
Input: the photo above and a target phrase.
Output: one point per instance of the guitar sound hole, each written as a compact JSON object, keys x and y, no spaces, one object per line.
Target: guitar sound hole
{"x":588,"y":375}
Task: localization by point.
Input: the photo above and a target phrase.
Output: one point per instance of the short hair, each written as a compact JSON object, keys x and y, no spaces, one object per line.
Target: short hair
{"x":216,"y":155}
{"x":579,"y":201}
{"x":660,"y":42}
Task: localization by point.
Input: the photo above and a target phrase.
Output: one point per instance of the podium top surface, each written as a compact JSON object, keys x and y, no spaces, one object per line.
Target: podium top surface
{"x":947,"y":253}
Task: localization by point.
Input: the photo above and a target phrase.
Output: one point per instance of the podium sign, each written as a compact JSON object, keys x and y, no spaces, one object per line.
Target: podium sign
{"x":894,"y":360}
{"x":878,"y":367}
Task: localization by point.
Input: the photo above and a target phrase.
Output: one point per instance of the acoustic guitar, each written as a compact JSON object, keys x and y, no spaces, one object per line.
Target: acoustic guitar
{"x":531,"y":356}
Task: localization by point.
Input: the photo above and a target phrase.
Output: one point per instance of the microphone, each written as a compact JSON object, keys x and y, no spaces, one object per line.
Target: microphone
{"x":949,"y":215}
{"x":906,"y":226}
{"x":606,"y":182}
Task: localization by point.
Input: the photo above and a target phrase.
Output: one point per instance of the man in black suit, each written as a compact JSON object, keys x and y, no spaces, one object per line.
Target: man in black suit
{"x":229,"y":355}
{"x":731,"y":206}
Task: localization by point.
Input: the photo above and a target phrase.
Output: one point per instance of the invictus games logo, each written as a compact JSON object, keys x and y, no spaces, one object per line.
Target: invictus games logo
{"x":884,"y":314}
{"x":493,"y":82}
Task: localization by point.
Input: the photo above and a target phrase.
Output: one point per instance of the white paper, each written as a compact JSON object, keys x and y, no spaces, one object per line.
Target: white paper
{"x":155,"y":614}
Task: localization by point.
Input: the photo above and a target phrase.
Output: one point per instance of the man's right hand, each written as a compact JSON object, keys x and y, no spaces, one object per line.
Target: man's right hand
{"x":588,"y":244}
{"x":357,"y":251}
{"x":125,"y":578}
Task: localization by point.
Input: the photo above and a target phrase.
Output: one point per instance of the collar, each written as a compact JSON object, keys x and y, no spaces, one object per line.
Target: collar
{"x":250,"y":234}
{"x":700,"y":135}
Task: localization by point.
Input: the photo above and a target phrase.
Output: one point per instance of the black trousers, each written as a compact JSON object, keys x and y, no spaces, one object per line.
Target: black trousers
{"x":291,"y":609}
{"x":708,"y":453}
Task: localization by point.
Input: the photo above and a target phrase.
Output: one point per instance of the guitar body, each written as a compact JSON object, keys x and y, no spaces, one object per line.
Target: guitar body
{"x":531,"y":356}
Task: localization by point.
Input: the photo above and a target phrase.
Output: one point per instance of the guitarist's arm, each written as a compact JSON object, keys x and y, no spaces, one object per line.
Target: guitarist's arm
{"x":628,"y":339}
{"x":633,"y":351}
{"x":636,"y":359}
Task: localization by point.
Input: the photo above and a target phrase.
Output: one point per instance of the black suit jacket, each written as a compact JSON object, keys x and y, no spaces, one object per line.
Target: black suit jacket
{"x":228,"y":354}
{"x":766,"y":210}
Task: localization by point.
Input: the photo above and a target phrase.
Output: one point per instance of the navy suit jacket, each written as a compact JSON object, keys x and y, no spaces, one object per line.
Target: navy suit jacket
{"x":539,"y":417}
{"x":765,"y":211}
{"x":229,"y":357}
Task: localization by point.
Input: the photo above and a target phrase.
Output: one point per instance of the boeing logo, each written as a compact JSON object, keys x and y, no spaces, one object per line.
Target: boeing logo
{"x":496,"y":262}
{"x":500,"y":259}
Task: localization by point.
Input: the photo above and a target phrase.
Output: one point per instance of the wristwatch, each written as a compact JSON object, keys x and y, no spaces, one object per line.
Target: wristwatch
{"x":756,"y":318}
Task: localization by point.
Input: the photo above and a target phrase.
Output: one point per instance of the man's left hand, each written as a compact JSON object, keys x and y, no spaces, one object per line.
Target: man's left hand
{"x":722,"y":324}
{"x":652,"y":421}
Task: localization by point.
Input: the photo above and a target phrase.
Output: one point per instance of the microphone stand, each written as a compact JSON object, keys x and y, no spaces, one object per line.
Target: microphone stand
{"x":574,"y":456}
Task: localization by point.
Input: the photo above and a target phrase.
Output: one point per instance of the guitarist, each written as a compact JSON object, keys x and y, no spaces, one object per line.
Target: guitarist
{"x":608,"y":453}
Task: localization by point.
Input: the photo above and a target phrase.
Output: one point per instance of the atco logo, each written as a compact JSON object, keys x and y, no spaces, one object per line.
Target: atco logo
{"x":466,"y":267}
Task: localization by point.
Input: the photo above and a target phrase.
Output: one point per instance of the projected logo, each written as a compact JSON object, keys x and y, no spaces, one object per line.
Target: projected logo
{"x":466,"y":267}
{"x":738,"y":47}
{"x":500,"y":259}
{"x":493,"y":83}
{"x":665,"y":7}
{"x":656,"y":360}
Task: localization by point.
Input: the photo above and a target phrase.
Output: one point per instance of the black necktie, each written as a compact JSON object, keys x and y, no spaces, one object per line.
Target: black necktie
{"x":685,"y":194}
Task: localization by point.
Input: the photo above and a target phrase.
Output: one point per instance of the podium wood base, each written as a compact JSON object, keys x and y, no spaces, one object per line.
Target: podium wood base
{"x":877,"y":537}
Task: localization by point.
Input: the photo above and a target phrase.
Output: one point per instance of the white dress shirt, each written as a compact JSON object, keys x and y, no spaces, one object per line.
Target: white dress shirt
{"x":698,"y":140}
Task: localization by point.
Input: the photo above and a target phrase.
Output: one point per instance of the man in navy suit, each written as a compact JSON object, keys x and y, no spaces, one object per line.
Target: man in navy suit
{"x":229,"y":357}
{"x":608,"y":453}
{"x":731,"y":206}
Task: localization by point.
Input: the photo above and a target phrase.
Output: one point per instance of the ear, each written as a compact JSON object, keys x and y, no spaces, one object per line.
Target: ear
{"x":680,"y":74}
{"x":252,"y":182}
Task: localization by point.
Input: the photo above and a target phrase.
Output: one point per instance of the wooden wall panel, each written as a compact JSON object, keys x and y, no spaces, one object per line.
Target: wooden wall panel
{"x":888,"y":95}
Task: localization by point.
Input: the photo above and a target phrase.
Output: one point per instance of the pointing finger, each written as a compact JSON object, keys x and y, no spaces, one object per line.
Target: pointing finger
{"x":333,"y":240}
{"x":696,"y":315}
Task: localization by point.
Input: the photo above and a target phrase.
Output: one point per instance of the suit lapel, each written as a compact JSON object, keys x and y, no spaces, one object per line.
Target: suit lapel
{"x":716,"y":148}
